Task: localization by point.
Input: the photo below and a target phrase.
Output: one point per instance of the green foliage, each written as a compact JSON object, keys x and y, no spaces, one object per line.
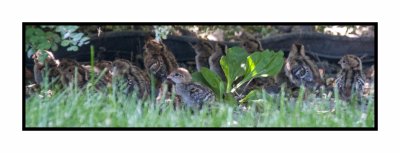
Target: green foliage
{"x":48,"y":37}
{"x":262,"y":64}
{"x":240,"y":67}
{"x":210,"y":79}
{"x":89,"y":108}
{"x":232,"y":65}
{"x":162,"y":32}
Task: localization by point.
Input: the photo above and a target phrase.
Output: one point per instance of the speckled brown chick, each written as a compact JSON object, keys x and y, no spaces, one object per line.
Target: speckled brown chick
{"x":106,"y":79}
{"x":39,"y":66}
{"x":68,"y":76}
{"x":203,"y":50}
{"x":250,"y":43}
{"x":158,"y":61}
{"x":193,"y":95}
{"x":130,"y":76}
{"x":67,"y":69}
{"x":301,"y":70}
{"x":219,"y":50}
{"x":350,"y":80}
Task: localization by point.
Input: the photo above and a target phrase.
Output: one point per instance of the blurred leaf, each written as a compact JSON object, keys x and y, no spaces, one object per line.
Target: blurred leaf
{"x":65,"y":43}
{"x":56,"y":38}
{"x":60,"y":29}
{"x":230,"y":99}
{"x":252,"y":95}
{"x":84,"y":40}
{"x":66,"y":35}
{"x":54,"y":47}
{"x":30,"y":53}
{"x":72,"y":28}
{"x":38,"y":32}
{"x":29,"y":31}
{"x":43,"y":55}
{"x":72,"y":48}
{"x":197,"y":77}
{"x":213,"y":80}
{"x":77,"y":37}
{"x":44,"y":46}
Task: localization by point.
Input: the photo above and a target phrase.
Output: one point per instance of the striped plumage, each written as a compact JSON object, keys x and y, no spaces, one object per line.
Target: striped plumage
{"x":39,"y":66}
{"x":106,"y":79}
{"x":131,"y":77}
{"x":250,"y":43}
{"x":193,"y":95}
{"x":300,"y":69}
{"x":203,"y":50}
{"x":219,"y":50}
{"x":350,"y":79}
{"x":158,"y":61}
{"x":67,"y":68}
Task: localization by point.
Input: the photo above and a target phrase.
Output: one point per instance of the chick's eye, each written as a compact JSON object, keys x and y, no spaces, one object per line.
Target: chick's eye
{"x":177,"y":74}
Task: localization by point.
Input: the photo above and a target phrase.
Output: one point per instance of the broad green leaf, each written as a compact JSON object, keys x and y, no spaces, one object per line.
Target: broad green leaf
{"x":56,"y":38}
{"x":275,"y":66}
{"x":72,"y":48}
{"x":54,"y":47}
{"x":84,"y":40}
{"x":213,"y":80}
{"x":65,"y":43}
{"x":30,"y":52}
{"x":60,"y":29}
{"x":77,"y":37}
{"x":252,"y":95}
{"x":38,"y":32}
{"x":44,"y":46}
{"x":230,"y":99}
{"x":29,"y":32}
{"x":232,"y":65}
{"x":197,"y":77}
{"x":262,"y":64}
{"x":72,"y":28}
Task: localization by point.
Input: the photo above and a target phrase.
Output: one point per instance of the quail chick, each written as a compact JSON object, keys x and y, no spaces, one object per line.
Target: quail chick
{"x":350,"y":80}
{"x":193,"y":95}
{"x":102,"y":80}
{"x":370,"y":80}
{"x":67,"y":62}
{"x":68,"y":76}
{"x":39,"y":67}
{"x":300,"y":69}
{"x":106,"y":78}
{"x":218,"y":51}
{"x":158,"y":61}
{"x":67,"y":68}
{"x":250,"y":43}
{"x":131,"y":76}
{"x":203,"y":50}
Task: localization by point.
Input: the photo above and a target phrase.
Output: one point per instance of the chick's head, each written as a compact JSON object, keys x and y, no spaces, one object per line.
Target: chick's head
{"x":350,"y":62}
{"x":180,"y":75}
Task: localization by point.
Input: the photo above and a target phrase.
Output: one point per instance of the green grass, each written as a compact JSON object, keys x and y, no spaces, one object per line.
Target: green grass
{"x":86,"y":107}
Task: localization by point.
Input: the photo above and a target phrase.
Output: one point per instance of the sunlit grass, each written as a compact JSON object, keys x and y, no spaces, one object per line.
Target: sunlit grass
{"x":88,"y":107}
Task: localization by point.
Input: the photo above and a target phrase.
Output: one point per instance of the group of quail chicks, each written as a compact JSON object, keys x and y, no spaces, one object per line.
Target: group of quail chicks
{"x":160,"y":65}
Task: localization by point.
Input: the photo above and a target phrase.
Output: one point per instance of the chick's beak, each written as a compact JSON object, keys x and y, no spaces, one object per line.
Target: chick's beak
{"x":169,"y":79}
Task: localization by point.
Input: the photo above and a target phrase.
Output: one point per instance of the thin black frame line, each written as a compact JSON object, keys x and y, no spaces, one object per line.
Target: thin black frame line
{"x":375,"y":128}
